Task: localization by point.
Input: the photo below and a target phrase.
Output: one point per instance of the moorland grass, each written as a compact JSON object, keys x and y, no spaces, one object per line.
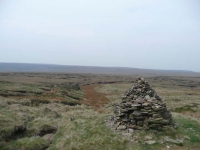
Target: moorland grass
{"x":80,"y":127}
{"x":33,"y":143}
{"x":190,"y":128}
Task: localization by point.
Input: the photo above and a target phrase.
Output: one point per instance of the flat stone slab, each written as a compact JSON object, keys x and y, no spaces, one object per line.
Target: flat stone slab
{"x":136,"y":113}
{"x":150,"y":142}
{"x":177,"y":141}
{"x":164,"y":122}
{"x":136,"y":105}
{"x":121,"y":127}
{"x":132,"y":126}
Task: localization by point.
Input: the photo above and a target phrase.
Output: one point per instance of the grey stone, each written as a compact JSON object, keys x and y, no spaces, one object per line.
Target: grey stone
{"x":123,"y":110}
{"x":156,"y":121}
{"x":158,"y":109}
{"x":140,"y":128}
{"x":121,"y":114}
{"x":156,"y":116}
{"x":136,"y":113}
{"x":150,"y":142}
{"x":145,"y":104}
{"x":125,"y":120}
{"x":131,"y":116}
{"x":132,"y":108}
{"x":140,"y":118}
{"x":132,"y":126}
{"x":147,"y":107}
{"x":136,"y":105}
{"x":166,"y":115}
{"x":117,"y":124}
{"x":147,"y":97}
{"x":130,"y":130}
{"x":177,"y":141}
{"x":123,"y":96}
{"x":121,"y":127}
{"x":148,"y":137}
{"x":186,"y":137}
{"x":127,"y":134}
{"x":144,"y":113}
{"x":133,"y":122}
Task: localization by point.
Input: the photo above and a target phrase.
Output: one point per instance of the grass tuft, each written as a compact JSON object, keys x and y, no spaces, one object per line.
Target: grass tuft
{"x":33,"y":143}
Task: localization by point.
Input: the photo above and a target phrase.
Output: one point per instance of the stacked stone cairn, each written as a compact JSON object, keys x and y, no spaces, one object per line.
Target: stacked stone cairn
{"x":141,"y":108}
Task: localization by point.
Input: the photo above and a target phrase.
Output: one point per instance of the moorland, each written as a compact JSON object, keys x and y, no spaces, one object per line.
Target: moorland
{"x":59,"y":111}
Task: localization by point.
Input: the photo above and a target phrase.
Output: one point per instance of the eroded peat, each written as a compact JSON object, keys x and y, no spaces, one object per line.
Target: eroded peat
{"x":94,"y":98}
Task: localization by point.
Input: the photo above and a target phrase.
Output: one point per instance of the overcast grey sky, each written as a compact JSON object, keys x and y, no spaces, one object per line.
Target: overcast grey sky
{"x":154,"y":34}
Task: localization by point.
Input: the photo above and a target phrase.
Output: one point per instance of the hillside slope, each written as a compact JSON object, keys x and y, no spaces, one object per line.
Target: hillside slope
{"x":25,"y":67}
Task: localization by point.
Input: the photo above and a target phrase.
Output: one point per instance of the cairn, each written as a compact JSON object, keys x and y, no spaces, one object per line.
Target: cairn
{"x":141,"y":108}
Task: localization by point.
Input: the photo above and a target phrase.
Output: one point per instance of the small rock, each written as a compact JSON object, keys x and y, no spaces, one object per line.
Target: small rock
{"x":135,"y":105}
{"x":159,"y":121}
{"x":136,"y":113}
{"x":156,"y":116}
{"x":147,"y":97}
{"x":130,"y":130}
{"x":132,"y":108}
{"x":168,"y":146}
{"x":121,"y":114}
{"x":140,"y":128}
{"x":127,"y":134}
{"x":123,"y":110}
{"x":121,"y":127}
{"x":177,"y":141}
{"x":125,"y":120}
{"x":150,"y":142}
{"x":133,"y":122}
{"x":117,"y":124}
{"x":145,"y":104}
{"x":132,"y":126}
{"x":123,"y":96}
{"x":148,"y":137}
{"x":186,"y":137}
{"x":161,"y":141}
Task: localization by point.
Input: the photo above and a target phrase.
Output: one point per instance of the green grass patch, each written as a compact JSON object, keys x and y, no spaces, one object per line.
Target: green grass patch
{"x":187,"y":108}
{"x":190,"y":128}
{"x":86,"y":133}
{"x":33,"y":143}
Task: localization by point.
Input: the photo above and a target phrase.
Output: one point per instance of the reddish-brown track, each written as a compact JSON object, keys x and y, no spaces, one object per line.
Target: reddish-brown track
{"x":95,"y":99}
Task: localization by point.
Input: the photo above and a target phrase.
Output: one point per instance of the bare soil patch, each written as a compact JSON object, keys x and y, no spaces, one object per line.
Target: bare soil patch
{"x":95,"y":99}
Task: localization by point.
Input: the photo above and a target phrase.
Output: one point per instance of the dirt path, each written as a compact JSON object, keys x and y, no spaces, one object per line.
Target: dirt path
{"x":95,"y":99}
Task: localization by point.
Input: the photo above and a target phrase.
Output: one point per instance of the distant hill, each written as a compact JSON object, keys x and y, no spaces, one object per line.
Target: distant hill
{"x":25,"y":67}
